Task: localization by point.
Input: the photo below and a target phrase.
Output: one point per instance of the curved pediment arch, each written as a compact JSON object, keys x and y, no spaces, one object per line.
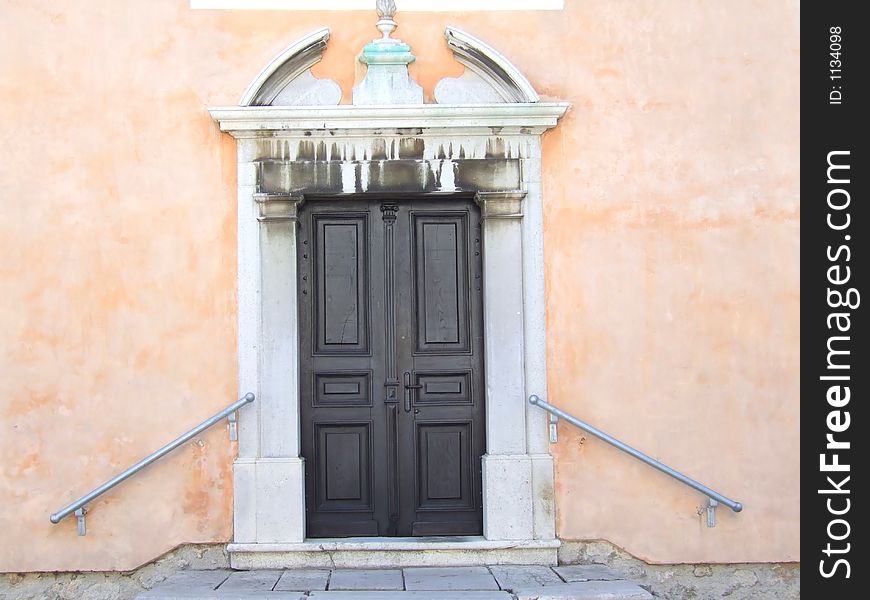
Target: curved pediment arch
{"x":287,"y":79}
{"x":489,"y":76}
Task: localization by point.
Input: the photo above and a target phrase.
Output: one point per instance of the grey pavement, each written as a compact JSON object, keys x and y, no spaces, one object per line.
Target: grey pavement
{"x":497,"y":582}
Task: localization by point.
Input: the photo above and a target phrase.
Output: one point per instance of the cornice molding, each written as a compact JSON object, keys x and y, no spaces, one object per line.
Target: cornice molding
{"x":357,"y":121}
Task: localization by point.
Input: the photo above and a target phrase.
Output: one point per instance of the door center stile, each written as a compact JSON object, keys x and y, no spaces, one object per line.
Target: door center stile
{"x":391,"y":382}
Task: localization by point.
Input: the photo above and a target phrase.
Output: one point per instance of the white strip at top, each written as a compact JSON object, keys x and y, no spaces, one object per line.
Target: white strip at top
{"x":402,"y":5}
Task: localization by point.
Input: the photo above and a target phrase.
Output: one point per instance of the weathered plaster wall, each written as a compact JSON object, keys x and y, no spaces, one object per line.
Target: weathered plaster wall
{"x":671,"y":243}
{"x":672,"y":237}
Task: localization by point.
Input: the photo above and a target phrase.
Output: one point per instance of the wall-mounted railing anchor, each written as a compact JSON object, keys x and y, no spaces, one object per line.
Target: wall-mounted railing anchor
{"x":233,"y":420}
{"x":80,"y":514}
{"x":711,"y":512}
{"x":554,"y":429}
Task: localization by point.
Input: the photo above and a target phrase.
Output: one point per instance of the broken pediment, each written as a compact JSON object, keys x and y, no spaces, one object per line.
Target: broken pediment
{"x":489,"y":77}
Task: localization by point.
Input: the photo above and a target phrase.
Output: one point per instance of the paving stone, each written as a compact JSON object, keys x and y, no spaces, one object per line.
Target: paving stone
{"x":412,"y":595}
{"x":195,"y":580}
{"x":366,"y":579}
{"x":594,"y":572}
{"x":512,"y":577}
{"x":303,"y":580}
{"x":186,"y":582}
{"x":449,"y":578}
{"x":157,"y":594}
{"x":250,"y":581}
{"x":586,"y":590}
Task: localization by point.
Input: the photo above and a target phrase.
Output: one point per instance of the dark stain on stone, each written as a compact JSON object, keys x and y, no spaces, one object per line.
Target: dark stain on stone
{"x":258,"y":166}
{"x":410,"y":147}
{"x":487,"y":174}
{"x":263,"y":149}
{"x":305,"y":150}
{"x":281,"y":177}
{"x":495,"y":148}
{"x":395,"y":175}
{"x":327,"y":177}
{"x":379,"y":149}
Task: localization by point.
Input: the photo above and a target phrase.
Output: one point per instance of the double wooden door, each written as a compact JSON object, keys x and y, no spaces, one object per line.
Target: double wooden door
{"x":391,"y":359}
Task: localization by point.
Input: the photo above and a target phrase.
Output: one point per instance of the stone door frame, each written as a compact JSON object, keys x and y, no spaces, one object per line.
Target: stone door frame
{"x":492,"y":151}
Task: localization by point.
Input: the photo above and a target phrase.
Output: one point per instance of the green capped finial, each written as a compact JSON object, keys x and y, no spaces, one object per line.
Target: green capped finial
{"x":387,"y":80}
{"x":386,"y":50}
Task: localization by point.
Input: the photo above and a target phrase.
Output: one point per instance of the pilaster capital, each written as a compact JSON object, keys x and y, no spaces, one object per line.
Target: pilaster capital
{"x":500,"y":205}
{"x":278,"y":207}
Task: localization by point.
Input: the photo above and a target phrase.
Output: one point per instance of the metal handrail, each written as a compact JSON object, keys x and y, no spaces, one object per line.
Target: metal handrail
{"x":713,"y":496}
{"x":79,"y":505}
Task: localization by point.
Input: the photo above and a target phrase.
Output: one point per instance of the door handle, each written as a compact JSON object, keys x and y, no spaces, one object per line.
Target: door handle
{"x":408,"y":387}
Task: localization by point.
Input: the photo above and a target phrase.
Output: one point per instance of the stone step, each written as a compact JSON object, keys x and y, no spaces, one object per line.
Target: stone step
{"x":497,"y":582}
{"x":392,"y":553}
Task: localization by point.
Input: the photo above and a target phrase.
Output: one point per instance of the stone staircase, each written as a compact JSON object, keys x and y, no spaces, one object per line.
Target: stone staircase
{"x":497,"y":582}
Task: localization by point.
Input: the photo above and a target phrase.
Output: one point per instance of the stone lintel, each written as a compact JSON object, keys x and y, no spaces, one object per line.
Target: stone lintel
{"x":300,"y":177}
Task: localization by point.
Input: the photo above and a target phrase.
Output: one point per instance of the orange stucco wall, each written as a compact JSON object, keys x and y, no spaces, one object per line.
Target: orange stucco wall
{"x":671,"y":217}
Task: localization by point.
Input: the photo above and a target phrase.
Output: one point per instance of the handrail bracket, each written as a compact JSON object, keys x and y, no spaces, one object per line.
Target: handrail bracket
{"x":80,"y":514}
{"x":233,"y":423}
{"x":554,"y":428}
{"x":711,"y":512}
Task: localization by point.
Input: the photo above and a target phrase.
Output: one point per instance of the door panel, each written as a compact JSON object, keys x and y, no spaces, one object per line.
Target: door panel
{"x":343,"y":478}
{"x":342,"y":388}
{"x":342,"y":293}
{"x":445,"y":465}
{"x":391,"y":357}
{"x":444,"y":387}
{"x":440,"y":267}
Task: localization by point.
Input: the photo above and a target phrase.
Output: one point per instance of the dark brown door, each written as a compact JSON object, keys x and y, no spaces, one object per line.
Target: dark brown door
{"x":391,"y":358}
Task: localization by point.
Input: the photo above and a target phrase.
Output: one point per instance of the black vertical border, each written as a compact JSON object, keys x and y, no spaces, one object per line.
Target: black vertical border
{"x":827,"y":127}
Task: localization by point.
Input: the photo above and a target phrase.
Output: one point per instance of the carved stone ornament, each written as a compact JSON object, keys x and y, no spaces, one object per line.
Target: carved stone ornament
{"x":385,"y":8}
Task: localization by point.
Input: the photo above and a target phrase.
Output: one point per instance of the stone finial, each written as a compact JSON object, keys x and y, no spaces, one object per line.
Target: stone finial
{"x":386,"y":10}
